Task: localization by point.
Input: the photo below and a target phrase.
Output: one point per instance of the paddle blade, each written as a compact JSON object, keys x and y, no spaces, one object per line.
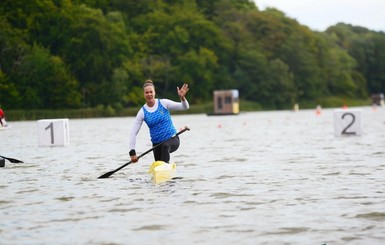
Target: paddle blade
{"x":106,"y":175}
{"x":12,"y":160}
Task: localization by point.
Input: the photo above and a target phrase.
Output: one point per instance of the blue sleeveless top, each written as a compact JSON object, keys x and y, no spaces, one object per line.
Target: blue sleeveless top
{"x":160,"y":124}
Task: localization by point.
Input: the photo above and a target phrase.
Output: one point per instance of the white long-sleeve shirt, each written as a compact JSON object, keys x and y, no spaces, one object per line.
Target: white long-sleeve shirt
{"x":168,"y":104}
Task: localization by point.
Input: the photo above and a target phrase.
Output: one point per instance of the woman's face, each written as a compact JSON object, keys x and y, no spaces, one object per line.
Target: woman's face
{"x":149,"y":93}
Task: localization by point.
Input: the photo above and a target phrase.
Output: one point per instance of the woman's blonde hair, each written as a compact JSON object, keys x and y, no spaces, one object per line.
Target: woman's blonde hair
{"x":148,"y":82}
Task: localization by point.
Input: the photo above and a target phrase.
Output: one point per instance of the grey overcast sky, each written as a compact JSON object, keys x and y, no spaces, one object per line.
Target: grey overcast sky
{"x":318,"y":15}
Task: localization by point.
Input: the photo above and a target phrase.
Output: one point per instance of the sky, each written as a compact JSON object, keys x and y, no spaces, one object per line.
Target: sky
{"x":318,"y":15}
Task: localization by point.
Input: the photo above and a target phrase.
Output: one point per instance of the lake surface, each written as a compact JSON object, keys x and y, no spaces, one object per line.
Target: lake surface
{"x":255,"y":178}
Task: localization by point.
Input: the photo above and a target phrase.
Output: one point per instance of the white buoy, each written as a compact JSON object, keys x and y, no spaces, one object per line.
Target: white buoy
{"x":296,"y":107}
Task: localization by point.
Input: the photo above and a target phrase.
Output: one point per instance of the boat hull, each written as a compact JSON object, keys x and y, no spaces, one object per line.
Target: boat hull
{"x":5,"y":127}
{"x":161,"y":171}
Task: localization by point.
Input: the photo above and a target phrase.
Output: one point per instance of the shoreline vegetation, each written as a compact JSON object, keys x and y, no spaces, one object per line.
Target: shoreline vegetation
{"x":109,"y":111}
{"x":89,"y":58}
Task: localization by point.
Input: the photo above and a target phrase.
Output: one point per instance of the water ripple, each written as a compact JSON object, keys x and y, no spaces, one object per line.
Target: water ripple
{"x":261,"y":178}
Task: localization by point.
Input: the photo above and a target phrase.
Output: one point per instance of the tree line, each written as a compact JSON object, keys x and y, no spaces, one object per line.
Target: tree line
{"x":57,"y":54}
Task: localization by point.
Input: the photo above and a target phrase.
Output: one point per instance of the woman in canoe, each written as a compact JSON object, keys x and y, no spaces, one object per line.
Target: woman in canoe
{"x":156,"y":114}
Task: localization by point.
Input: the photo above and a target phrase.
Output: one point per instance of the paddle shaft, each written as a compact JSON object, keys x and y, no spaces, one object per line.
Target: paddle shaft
{"x":108,"y":174}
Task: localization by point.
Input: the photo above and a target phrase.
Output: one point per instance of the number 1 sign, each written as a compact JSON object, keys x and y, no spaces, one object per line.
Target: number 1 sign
{"x":53,"y":132}
{"x":347,"y":122}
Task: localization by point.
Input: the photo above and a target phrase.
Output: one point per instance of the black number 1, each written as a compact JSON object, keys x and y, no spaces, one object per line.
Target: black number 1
{"x":350,"y":124}
{"x":50,"y":126}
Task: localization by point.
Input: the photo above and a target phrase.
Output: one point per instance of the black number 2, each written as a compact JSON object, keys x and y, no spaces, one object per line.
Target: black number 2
{"x":50,"y":126}
{"x":350,"y":124}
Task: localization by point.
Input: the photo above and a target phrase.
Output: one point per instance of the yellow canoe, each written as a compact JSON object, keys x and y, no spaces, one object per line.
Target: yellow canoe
{"x":161,"y":172}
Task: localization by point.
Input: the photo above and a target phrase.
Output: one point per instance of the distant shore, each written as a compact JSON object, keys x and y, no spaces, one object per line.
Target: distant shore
{"x":108,"y":111}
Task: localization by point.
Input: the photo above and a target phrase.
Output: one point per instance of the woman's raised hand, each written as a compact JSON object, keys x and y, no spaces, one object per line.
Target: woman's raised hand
{"x":182,"y":91}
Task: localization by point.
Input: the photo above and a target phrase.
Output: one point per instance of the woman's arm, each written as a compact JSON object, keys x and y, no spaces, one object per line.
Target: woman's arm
{"x":175,"y":106}
{"x":135,"y":129}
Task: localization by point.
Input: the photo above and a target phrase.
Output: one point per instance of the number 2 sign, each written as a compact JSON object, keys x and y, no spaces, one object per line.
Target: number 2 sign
{"x":53,"y":132}
{"x":347,"y":122}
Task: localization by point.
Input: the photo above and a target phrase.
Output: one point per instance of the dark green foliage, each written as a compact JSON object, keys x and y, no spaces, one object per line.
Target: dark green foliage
{"x":58,"y":54}
{"x":368,"y":50}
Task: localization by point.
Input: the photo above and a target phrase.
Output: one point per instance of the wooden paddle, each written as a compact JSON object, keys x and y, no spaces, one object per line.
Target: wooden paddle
{"x":12,"y":160}
{"x":108,"y":174}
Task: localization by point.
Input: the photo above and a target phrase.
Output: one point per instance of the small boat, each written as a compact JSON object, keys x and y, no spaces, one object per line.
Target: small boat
{"x":7,"y":126}
{"x":161,"y":171}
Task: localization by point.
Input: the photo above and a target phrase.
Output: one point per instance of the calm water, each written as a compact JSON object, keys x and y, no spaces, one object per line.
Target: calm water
{"x":256,"y":178}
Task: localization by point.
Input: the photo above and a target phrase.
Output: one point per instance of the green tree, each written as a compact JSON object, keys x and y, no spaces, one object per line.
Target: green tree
{"x":45,"y":82}
{"x":197,"y":68}
{"x":280,"y":79}
{"x":368,"y":50}
{"x":9,"y":94}
{"x":99,"y":52}
{"x":95,"y":45}
{"x":182,"y":42}
{"x":12,"y":52}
